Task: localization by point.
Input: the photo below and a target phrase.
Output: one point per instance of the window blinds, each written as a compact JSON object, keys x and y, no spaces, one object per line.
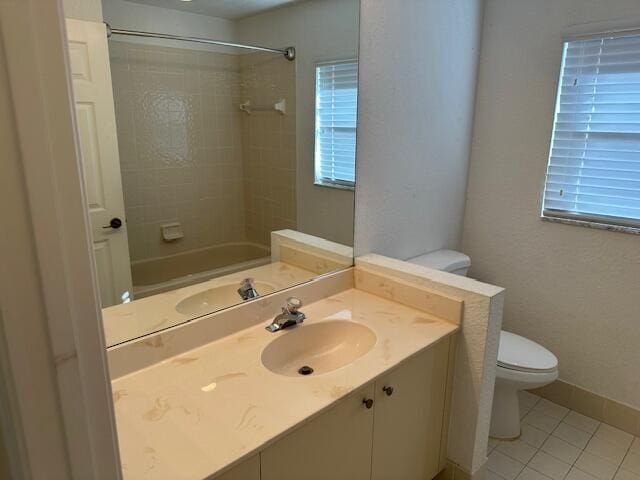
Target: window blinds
{"x":336,"y":116}
{"x":594,"y":163}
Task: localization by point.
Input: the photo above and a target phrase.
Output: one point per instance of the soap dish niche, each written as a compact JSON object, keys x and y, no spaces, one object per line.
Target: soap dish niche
{"x":171,"y":231}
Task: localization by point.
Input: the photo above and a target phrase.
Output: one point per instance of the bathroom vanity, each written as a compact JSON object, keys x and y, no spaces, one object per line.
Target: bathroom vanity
{"x":407,"y":407}
{"x":375,"y":406}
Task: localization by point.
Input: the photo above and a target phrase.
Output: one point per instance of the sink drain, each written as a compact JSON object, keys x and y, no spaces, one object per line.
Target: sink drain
{"x":306,"y":370}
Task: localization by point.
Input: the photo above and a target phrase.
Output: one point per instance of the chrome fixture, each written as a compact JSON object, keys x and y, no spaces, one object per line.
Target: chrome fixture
{"x":288,"y":52}
{"x":279,"y":106}
{"x":289,"y":317}
{"x":247,"y":290}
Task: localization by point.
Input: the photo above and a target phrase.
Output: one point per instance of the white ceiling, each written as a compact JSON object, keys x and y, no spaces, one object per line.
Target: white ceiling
{"x":229,"y":9}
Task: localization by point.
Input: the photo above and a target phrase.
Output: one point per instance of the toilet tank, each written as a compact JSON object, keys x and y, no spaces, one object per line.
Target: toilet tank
{"x":445,"y":260}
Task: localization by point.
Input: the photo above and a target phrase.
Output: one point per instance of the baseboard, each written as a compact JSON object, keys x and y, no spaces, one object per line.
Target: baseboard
{"x":591,"y":404}
{"x":453,"y":471}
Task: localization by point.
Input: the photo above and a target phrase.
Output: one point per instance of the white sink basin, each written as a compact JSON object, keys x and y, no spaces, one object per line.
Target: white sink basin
{"x":217,"y":298}
{"x":324,"y":347}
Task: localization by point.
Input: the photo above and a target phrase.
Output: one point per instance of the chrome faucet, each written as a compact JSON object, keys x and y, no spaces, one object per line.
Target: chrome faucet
{"x":289,"y":317}
{"x":247,"y":290}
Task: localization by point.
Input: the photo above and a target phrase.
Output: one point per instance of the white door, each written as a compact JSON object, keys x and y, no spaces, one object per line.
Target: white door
{"x":96,"y":121}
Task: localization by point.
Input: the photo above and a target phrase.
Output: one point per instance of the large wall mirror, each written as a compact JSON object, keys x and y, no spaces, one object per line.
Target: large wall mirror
{"x":230,"y":171}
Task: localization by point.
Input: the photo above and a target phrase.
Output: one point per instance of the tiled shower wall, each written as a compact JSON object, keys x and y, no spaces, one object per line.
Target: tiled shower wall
{"x":181,"y":141}
{"x":268,"y":146}
{"x":179,"y":134}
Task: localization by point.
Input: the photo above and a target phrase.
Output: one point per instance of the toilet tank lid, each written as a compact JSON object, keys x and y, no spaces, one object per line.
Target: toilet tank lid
{"x":447,"y":260}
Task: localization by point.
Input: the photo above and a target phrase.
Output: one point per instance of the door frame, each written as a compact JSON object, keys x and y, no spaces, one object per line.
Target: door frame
{"x":62,"y":280}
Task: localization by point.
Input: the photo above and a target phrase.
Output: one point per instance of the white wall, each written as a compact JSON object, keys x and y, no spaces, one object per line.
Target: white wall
{"x":19,"y":266}
{"x":51,"y":342}
{"x":90,"y":10}
{"x":573,"y":289}
{"x":135,"y":16}
{"x":320,"y":31}
{"x":418,"y":63}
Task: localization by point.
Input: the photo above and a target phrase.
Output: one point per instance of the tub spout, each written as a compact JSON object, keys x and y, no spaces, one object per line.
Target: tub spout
{"x":247,"y":290}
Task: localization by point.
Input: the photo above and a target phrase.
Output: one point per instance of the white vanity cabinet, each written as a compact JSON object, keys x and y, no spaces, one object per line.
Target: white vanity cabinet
{"x":335,"y":445}
{"x":401,"y":436}
{"x":410,"y":417}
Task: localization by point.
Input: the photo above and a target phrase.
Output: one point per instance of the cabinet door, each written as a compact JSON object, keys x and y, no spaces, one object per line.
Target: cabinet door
{"x":247,"y":470}
{"x":408,"y":423}
{"x":334,"y":446}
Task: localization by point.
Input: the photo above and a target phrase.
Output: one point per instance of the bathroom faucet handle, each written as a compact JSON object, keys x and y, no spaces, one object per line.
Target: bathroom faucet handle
{"x":293,"y":304}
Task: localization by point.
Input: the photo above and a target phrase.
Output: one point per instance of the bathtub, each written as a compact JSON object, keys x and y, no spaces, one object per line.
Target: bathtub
{"x":161,"y":274}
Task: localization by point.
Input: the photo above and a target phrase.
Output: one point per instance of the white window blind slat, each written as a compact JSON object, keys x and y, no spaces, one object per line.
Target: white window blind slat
{"x":594,"y":161}
{"x":336,"y":121}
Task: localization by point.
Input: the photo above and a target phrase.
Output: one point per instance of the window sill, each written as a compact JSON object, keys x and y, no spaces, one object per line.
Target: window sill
{"x":591,"y":224}
{"x":337,"y":186}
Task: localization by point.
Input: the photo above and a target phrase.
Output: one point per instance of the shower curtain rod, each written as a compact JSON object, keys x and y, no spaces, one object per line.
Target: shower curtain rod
{"x":289,"y":52}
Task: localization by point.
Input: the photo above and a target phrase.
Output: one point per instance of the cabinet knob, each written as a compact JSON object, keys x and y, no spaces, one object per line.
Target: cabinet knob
{"x":388,"y":391}
{"x":368,"y":402}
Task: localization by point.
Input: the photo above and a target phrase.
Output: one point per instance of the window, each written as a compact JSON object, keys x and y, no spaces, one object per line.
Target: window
{"x":594,"y":163}
{"x":336,"y":115}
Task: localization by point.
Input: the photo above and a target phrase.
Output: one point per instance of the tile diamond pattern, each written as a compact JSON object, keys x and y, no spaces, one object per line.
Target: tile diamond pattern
{"x":560,"y":444}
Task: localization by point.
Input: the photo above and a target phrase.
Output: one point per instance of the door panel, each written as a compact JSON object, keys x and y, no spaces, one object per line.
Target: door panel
{"x":408,"y":423}
{"x":103,"y":259}
{"x":95,"y":118}
{"x":334,"y":446}
{"x":87,"y":131}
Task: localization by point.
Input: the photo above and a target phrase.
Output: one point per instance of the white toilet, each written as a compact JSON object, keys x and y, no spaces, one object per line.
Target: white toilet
{"x":522,"y":364}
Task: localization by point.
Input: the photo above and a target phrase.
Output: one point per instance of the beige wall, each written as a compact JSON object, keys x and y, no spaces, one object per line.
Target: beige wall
{"x":320,"y":31}
{"x":418,"y":62}
{"x":268,"y":145}
{"x":569,"y":288}
{"x":180,"y":141}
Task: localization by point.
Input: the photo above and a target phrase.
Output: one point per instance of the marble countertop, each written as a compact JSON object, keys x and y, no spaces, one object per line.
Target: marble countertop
{"x":201,"y":412}
{"x":146,"y":315}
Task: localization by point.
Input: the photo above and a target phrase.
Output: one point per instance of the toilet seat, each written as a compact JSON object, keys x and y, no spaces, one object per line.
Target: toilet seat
{"x":523,"y":355}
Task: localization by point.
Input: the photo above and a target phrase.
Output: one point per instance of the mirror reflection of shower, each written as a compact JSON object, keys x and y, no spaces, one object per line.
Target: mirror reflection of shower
{"x":208,"y":168}
{"x":203,"y":142}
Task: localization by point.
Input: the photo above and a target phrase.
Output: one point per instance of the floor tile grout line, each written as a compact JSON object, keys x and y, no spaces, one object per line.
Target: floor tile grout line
{"x":623,"y":459}
{"x":497,"y":474}
{"x":538,"y":449}
{"x":588,"y":440}
{"x":591,"y":434}
{"x":586,"y":416}
{"x":619,"y":466}
{"x":582,"y":450}
{"x":552,"y":455}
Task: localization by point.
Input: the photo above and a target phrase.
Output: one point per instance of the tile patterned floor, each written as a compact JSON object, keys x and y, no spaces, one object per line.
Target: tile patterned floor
{"x":559,"y":444}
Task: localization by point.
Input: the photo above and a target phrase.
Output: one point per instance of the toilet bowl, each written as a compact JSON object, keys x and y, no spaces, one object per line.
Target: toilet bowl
{"x":522,"y":363}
